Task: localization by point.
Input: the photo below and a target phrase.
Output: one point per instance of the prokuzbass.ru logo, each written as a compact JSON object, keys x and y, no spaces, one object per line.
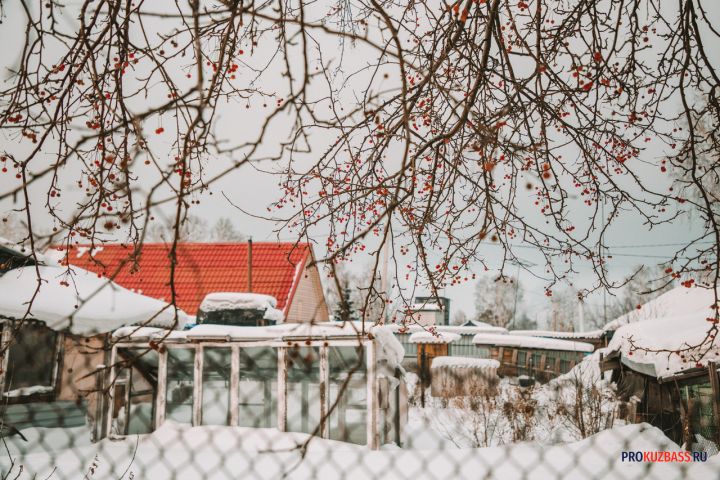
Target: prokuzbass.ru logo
{"x":664,"y":457}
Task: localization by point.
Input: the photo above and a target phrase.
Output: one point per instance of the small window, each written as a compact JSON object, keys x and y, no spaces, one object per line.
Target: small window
{"x":303,"y":389}
{"x":348,"y":375}
{"x":31,"y":360}
{"x":549,"y":363}
{"x":483,"y":352}
{"x":536,"y":360}
{"x":136,"y":387}
{"x":257,"y":397}
{"x":180,"y":385}
{"x":216,"y":386}
{"x":521,"y":358}
{"x":564,"y":366}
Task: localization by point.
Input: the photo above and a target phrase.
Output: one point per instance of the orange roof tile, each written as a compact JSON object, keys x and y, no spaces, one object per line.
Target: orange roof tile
{"x":201,"y":268}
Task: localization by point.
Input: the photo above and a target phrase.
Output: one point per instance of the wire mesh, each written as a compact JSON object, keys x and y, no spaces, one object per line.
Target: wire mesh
{"x":102,"y":407}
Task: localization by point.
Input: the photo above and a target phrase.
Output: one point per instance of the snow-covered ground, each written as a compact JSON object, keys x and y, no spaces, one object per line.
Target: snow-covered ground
{"x":181,"y":452}
{"x":440,"y":442}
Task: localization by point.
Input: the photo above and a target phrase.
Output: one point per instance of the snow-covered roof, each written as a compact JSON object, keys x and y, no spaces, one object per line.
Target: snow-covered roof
{"x":79,"y":301}
{"x":458,"y":329}
{"x":676,"y":302}
{"x":478,"y":323}
{"x":531,"y":342}
{"x":552,"y":334}
{"x":465,"y":362}
{"x":237,"y":301}
{"x":21,"y":250}
{"x":430,"y":337}
{"x":389,"y":348}
{"x":676,"y":320}
{"x":431,"y":307}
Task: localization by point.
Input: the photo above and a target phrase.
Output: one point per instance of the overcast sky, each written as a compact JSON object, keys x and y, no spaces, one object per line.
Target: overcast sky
{"x":254,"y":190}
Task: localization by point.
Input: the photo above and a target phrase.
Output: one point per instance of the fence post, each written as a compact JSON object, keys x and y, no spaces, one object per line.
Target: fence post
{"x":324,"y":392}
{"x":715,"y":385}
{"x":197,"y":385}
{"x":282,"y":389}
{"x":161,"y":391}
{"x":99,"y":407}
{"x":423,"y":368}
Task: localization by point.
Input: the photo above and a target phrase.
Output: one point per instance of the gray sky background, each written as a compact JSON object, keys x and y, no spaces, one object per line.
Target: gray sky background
{"x":253,"y":190}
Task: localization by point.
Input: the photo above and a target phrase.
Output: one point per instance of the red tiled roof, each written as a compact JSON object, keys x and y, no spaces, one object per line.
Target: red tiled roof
{"x":201,"y":268}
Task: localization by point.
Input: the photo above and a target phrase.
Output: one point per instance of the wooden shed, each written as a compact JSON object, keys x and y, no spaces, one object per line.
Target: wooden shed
{"x":540,"y":358}
{"x":663,"y":357}
{"x":462,"y":346}
{"x":680,"y":405}
{"x":54,"y":342}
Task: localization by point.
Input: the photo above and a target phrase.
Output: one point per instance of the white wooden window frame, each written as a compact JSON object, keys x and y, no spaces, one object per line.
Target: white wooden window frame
{"x":5,"y":339}
{"x":369,"y":348}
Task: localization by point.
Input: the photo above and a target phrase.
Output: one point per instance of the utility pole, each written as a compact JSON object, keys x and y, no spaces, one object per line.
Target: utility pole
{"x":517,"y":286}
{"x":384,"y":280}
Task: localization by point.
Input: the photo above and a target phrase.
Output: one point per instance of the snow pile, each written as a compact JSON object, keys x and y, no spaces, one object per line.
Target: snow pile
{"x":586,"y":372}
{"x":389,"y":347}
{"x":237,"y":301}
{"x":433,"y":337}
{"x":531,"y":342}
{"x":138,"y":332}
{"x":219,"y":453}
{"x":25,"y":391}
{"x":274,"y":315}
{"x":553,"y":334}
{"x":465,"y":362}
{"x":79,"y":301}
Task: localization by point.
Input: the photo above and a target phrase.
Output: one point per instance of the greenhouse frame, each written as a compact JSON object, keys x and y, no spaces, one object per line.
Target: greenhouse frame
{"x":329,"y":381}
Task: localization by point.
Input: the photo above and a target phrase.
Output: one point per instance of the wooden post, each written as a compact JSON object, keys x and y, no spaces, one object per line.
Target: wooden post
{"x":99,"y":397}
{"x":197,"y":387}
{"x":5,"y":352}
{"x":234,"y":386}
{"x":282,"y":389}
{"x":500,"y":354}
{"x":423,"y":369}
{"x":161,"y":388}
{"x":111,"y":391}
{"x":372,"y":398}
{"x":58,"y":363}
{"x":715,"y":385}
{"x":324,"y":392}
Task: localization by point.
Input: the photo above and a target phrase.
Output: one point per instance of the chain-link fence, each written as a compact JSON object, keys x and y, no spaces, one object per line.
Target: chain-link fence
{"x":330,"y":401}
